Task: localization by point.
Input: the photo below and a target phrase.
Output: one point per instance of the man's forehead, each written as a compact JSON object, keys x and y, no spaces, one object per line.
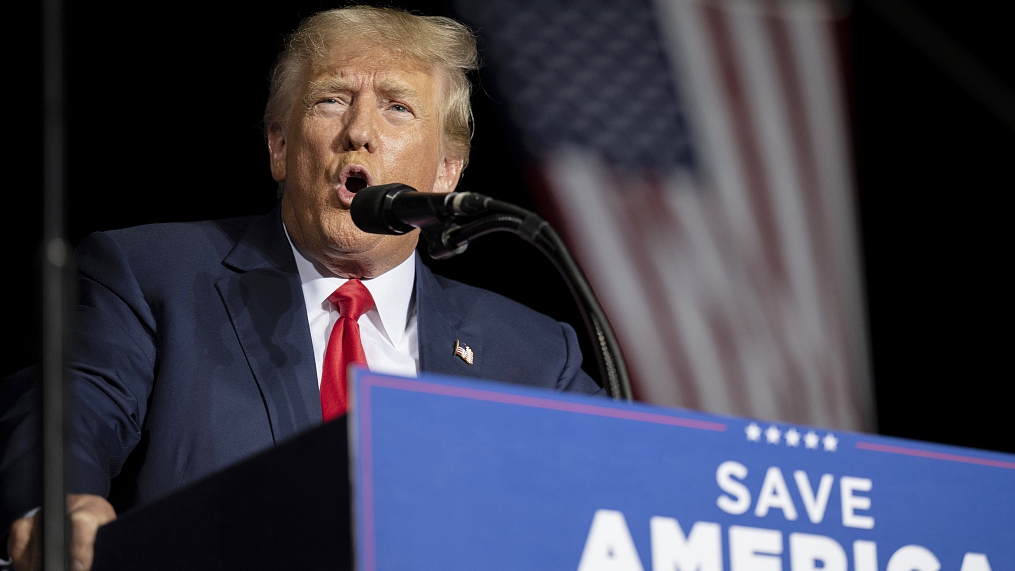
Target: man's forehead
{"x":343,"y":60}
{"x":388,"y":71}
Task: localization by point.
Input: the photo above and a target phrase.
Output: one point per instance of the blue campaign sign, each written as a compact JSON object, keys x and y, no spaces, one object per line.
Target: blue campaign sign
{"x":456,"y":474}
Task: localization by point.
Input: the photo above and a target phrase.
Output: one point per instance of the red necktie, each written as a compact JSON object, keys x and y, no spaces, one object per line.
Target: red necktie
{"x":344,"y":347}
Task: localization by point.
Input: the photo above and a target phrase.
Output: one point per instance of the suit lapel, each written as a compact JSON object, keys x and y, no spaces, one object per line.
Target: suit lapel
{"x":266,"y":307}
{"x":439,"y":321}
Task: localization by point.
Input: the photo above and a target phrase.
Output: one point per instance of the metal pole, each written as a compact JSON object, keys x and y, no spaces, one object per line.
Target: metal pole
{"x":55,"y":258}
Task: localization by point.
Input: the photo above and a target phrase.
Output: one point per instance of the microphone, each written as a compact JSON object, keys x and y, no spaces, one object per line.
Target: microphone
{"x":398,"y":208}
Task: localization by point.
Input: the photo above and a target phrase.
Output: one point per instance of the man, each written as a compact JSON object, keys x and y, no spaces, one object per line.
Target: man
{"x":197,"y":345}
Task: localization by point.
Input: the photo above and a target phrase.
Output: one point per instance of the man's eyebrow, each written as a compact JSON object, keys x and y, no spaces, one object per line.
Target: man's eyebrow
{"x":328,"y":84}
{"x":396,"y":90}
{"x":386,"y":88}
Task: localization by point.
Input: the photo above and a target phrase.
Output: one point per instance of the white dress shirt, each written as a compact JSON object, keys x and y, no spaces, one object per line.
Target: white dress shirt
{"x":388,"y":331}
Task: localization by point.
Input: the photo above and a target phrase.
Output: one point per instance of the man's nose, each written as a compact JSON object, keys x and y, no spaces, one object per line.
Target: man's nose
{"x":361,"y":126}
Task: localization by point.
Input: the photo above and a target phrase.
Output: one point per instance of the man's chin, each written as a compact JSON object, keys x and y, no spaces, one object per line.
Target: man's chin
{"x":367,"y":255}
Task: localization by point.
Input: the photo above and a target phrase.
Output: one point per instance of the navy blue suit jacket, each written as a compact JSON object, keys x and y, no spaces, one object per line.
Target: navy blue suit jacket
{"x":192,"y":351}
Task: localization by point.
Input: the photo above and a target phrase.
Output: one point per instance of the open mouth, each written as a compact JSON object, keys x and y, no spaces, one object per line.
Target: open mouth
{"x":355,"y":184}
{"x":355,"y":178}
{"x":352,"y":179}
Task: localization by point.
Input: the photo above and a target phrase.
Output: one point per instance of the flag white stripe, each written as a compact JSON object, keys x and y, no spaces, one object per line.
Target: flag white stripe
{"x":684,"y":282}
{"x":690,"y":279}
{"x":686,"y":30}
{"x":804,"y":322}
{"x":826,"y":408}
{"x":832,"y":162}
{"x":649,"y":227}
{"x":689,"y":48}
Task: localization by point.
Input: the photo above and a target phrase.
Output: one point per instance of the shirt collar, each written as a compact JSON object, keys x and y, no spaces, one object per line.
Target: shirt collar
{"x":392,"y":291}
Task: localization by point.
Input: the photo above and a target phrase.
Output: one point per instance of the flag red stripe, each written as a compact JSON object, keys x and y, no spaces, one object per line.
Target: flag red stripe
{"x":808,"y":180}
{"x":756,"y":179}
{"x":642,"y":213}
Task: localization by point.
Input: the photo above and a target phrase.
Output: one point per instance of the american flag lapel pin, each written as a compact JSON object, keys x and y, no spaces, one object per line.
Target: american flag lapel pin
{"x":463,"y":351}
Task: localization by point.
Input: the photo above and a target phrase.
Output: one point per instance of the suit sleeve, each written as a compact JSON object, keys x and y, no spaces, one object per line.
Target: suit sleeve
{"x":112,"y":354}
{"x":573,"y":378}
{"x":20,"y":456}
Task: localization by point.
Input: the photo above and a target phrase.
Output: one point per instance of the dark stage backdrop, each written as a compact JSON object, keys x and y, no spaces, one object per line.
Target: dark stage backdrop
{"x":164,"y":105}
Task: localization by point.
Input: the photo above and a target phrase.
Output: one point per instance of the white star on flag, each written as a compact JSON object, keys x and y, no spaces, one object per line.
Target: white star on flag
{"x":753,"y":432}
{"x":773,"y":435}
{"x":792,"y":437}
{"x":811,"y":440}
{"x":831,"y":442}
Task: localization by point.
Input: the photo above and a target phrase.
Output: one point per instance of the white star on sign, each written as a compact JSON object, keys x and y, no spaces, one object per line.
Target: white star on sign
{"x":792,"y":437}
{"x":831,"y":442}
{"x":811,"y":440}
{"x":753,"y":432}
{"x":772,"y":435}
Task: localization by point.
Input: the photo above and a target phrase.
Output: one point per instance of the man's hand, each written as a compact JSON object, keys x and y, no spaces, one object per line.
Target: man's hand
{"x":86,"y":512}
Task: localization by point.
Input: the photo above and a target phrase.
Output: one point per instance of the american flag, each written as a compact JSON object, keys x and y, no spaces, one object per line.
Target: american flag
{"x":696,"y":156}
{"x":464,"y":352}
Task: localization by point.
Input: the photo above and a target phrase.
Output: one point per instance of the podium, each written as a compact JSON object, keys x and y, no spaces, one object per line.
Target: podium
{"x":287,"y":508}
{"x":454,"y":474}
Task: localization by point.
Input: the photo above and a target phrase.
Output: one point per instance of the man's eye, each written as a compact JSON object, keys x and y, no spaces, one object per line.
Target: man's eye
{"x":329,"y":107}
{"x":400,"y":108}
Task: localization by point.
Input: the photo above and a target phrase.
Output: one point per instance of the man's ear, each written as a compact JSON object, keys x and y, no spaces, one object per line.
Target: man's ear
{"x":276,"y":151}
{"x":448,"y":174}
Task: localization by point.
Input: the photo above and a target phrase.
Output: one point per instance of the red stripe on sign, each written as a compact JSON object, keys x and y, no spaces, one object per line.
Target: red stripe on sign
{"x":934,"y":455}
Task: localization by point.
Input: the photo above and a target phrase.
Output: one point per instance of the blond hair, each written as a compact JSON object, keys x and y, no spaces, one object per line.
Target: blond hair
{"x":443,"y":43}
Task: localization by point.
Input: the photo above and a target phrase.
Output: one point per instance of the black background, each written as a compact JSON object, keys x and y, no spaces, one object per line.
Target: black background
{"x":164,"y":105}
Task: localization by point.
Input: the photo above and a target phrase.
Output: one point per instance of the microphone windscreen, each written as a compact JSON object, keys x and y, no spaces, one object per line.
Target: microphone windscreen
{"x":370,"y":211}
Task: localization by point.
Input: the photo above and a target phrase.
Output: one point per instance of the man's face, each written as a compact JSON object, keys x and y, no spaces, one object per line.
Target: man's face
{"x":366,"y":116}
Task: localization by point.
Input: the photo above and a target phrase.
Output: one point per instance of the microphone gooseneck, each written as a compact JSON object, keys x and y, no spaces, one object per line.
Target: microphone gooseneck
{"x":450,"y":221}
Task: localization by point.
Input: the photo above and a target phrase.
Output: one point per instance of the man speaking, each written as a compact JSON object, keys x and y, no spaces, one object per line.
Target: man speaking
{"x":199,"y":344}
